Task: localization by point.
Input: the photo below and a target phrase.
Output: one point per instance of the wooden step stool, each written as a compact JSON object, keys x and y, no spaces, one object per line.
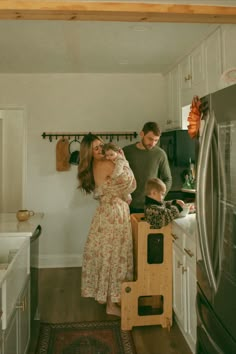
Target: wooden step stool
{"x":148,"y":299}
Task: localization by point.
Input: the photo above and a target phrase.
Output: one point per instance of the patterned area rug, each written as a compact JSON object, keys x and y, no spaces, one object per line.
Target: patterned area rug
{"x":85,"y":338}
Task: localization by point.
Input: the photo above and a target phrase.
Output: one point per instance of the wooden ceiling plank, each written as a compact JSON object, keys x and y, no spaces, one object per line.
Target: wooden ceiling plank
{"x":124,"y":12}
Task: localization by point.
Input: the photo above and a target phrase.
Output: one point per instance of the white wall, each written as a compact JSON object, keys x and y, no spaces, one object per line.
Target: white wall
{"x":12,"y":159}
{"x":74,"y":103}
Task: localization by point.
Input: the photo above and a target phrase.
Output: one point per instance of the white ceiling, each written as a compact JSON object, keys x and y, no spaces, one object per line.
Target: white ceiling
{"x":98,"y":47}
{"x":102,"y":47}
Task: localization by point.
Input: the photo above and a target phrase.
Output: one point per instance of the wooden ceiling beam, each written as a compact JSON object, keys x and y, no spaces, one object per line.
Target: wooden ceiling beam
{"x":118,"y":11}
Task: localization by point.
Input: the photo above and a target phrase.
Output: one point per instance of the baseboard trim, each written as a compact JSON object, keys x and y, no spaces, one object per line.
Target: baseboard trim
{"x":60,"y":261}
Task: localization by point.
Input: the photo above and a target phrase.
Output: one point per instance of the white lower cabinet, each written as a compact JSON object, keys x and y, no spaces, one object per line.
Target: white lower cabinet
{"x":1,"y":337}
{"x":179,"y":283}
{"x":16,"y":337}
{"x":191,"y":292}
{"x":23,"y":319}
{"x":184,"y":285}
{"x":10,"y":336}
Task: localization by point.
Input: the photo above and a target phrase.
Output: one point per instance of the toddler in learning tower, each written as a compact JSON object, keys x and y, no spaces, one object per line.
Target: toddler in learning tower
{"x":157,"y":212}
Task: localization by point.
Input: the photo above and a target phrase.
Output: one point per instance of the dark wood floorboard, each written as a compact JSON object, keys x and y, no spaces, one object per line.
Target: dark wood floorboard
{"x":60,"y":301}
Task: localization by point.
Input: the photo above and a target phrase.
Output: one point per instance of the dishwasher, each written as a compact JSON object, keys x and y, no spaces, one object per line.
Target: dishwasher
{"x":34,"y":275}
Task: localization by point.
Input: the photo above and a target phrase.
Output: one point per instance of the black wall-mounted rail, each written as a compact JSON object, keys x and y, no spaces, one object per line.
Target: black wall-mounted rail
{"x":76,"y":136}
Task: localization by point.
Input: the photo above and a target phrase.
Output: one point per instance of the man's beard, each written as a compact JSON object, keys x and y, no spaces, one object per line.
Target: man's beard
{"x":147,"y":147}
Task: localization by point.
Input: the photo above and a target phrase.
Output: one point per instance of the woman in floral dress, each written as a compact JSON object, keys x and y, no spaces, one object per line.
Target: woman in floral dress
{"x":108,"y":252}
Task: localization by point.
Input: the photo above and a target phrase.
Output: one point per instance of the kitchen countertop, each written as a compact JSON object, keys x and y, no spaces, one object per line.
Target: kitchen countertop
{"x":187,"y":223}
{"x":186,"y":190}
{"x":10,"y":226}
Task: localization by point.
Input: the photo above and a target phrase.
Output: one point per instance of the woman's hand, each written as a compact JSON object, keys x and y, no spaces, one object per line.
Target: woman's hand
{"x":121,"y":152}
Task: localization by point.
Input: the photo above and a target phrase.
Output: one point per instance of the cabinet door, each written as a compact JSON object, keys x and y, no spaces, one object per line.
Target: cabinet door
{"x":198,"y":71}
{"x":191,"y":302}
{"x":23,"y":319}
{"x":185,"y":74}
{"x":10,"y":336}
{"x":229,"y":46}
{"x":174,"y":116}
{"x":169,"y":101}
{"x":185,"y":81}
{"x":213,"y":61}
{"x":179,"y":287}
{"x":192,"y":75}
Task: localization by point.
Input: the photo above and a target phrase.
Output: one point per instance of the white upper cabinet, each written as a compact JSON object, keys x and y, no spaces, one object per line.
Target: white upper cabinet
{"x":229,"y":46}
{"x":200,"y":72}
{"x":212,"y":48}
{"x":192,"y":75}
{"x":173,"y":115}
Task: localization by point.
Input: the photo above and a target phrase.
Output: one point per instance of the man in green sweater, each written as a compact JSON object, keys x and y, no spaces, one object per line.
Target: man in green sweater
{"x":147,"y":160}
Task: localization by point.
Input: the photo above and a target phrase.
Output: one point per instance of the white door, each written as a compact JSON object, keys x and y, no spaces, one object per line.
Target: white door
{"x":179,"y":287}
{"x":12,"y":159}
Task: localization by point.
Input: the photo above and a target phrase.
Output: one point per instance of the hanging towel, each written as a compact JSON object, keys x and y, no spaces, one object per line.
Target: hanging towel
{"x":62,"y":155}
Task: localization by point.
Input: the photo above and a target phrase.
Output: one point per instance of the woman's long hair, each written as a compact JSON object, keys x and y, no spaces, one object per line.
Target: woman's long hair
{"x":85,"y":168}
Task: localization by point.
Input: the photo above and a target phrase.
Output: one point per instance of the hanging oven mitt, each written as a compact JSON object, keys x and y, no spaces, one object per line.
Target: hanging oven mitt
{"x":62,"y":155}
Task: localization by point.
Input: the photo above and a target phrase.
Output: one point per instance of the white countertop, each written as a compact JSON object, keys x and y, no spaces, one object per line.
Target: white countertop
{"x":10,"y":226}
{"x":186,"y":190}
{"x":187,"y":223}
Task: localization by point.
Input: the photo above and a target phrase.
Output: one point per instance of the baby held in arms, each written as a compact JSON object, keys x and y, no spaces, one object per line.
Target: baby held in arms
{"x":157,"y":212}
{"x":115,"y":154}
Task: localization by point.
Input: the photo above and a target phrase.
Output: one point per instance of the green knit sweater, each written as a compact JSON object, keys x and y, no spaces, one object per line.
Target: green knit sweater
{"x":147,"y":164}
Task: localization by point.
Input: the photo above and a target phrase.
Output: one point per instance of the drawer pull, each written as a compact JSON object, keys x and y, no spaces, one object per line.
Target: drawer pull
{"x":187,"y":78}
{"x":22,"y":305}
{"x":174,"y":236}
{"x":189,"y":252}
{"x":184,"y":269}
{"x":179,"y":264}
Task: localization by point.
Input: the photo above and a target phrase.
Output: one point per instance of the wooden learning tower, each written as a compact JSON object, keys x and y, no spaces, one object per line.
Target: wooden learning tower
{"x":148,"y":299}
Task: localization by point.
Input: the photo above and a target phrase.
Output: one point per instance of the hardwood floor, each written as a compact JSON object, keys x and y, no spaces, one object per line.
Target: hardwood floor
{"x":60,"y":301}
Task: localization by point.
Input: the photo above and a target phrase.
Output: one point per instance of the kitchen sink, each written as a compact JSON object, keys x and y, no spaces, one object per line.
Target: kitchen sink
{"x":14,"y":270}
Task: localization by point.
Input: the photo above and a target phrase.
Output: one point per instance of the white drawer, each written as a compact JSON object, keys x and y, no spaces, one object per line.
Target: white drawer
{"x":15,"y":277}
{"x":190,"y":248}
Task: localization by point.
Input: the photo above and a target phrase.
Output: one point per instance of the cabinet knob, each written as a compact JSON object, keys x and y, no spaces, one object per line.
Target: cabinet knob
{"x":187,"y":78}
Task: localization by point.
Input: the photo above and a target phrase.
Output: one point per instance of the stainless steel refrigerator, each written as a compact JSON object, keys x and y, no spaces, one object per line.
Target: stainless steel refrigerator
{"x":216,"y":225}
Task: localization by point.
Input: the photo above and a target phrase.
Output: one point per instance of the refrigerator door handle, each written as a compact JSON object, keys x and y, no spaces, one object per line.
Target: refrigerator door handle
{"x":221,"y":207}
{"x":204,"y":154}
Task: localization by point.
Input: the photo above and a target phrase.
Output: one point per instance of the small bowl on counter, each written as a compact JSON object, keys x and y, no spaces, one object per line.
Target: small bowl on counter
{"x":185,"y":211}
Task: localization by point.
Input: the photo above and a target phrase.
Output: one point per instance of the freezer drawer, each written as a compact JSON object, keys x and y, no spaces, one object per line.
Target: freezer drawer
{"x":212,"y":337}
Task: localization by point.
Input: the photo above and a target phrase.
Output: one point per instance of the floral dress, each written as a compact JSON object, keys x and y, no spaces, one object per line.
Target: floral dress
{"x":108,"y":252}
